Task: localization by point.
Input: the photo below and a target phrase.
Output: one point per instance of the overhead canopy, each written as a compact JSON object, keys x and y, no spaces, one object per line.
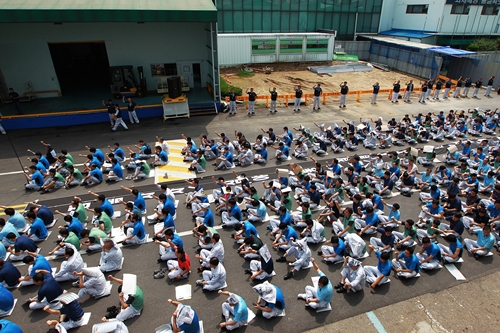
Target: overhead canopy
{"x":52,"y":11}
{"x":450,"y":51}
{"x":407,"y":33}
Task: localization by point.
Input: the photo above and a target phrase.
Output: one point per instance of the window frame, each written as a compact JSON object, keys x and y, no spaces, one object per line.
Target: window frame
{"x":425,"y":9}
{"x":465,"y":10}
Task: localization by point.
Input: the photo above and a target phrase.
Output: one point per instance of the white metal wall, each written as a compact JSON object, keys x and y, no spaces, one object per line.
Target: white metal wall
{"x":236,"y":49}
{"x":26,"y":57}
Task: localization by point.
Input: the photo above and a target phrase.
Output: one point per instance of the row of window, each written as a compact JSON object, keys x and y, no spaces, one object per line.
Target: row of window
{"x":455,"y":9}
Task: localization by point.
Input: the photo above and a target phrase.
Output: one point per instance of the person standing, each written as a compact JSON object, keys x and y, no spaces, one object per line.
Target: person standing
{"x":467,"y":84}
{"x":251,"y":101}
{"x":232,"y":102}
{"x":423,"y":94}
{"x":317,"y":95}
{"x":15,"y":98}
{"x":460,"y":83}
{"x":395,"y":91}
{"x":489,"y":87}
{"x":111,"y":111}
{"x":274,"y":98}
{"x":477,"y":85}
{"x":447,"y":88}
{"x":344,"y":89}
{"x":298,"y":96}
{"x":409,"y":89}
{"x":376,"y":88}
{"x":430,"y":84}
{"x":118,"y":119}
{"x":131,"y":106}
{"x":439,"y":85}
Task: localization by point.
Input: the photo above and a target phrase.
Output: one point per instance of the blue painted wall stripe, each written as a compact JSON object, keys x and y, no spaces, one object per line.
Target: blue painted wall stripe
{"x":378,"y":325}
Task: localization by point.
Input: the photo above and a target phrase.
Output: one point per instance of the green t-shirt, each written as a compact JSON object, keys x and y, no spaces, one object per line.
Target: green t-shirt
{"x":346,"y":224}
{"x":363,"y":188}
{"x":59,"y":178}
{"x":430,"y":231}
{"x":70,"y":158}
{"x":202,"y":161}
{"x":108,"y":223}
{"x":395,"y":160}
{"x":97,"y":234}
{"x":308,"y":212}
{"x":82,"y":213}
{"x":255,"y":196}
{"x":73,"y":239}
{"x":414,"y":232}
{"x":146,"y":169}
{"x":68,"y":163}
{"x":287,"y":202}
{"x":138,"y":299}
{"x":78,"y":174}
{"x":340,"y":191}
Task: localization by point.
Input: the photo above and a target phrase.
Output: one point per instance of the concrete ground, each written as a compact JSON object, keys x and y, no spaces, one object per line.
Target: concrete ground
{"x":141,"y":260}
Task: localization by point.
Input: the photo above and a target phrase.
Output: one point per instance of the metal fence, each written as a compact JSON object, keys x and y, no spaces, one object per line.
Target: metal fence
{"x":361,"y":49}
{"x":410,"y":60}
{"x":474,"y":68}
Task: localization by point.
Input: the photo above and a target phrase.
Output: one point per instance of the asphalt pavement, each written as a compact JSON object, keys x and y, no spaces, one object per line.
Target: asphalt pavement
{"x":141,"y":259}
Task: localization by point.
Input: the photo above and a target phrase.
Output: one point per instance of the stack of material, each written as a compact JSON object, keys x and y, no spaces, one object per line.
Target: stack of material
{"x":355,"y":67}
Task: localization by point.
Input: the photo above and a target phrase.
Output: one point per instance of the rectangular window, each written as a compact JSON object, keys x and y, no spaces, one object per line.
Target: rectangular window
{"x":291,"y":46}
{"x":263,"y":46}
{"x":489,"y":10}
{"x":417,"y":9}
{"x":317,"y":46}
{"x":460,"y":9}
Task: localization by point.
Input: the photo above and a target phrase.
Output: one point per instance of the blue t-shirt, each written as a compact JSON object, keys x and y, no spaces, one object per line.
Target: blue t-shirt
{"x":107,"y":207}
{"x":286,"y":218}
{"x":96,"y":162}
{"x":3,"y":251}
{"x":170,"y":205}
{"x":290,"y":232}
{"x":377,"y":200}
{"x":8,"y":228}
{"x":383,"y":267}
{"x":236,"y":212}
{"x":139,"y":202}
{"x":50,"y":289}
{"x":280,"y":299}
{"x":18,"y":220}
{"x":38,"y":229}
{"x":169,"y":222}
{"x":263,"y":154}
{"x":483,"y":241}
{"x":99,"y":155}
{"x":372,"y":219}
{"x":177,"y":240}
{"x":433,"y":250}
{"x":163,"y":156}
{"x":339,"y":248}
{"x":24,"y":243}
{"x":455,"y":246}
{"x":119,"y":153}
{"x":286,"y":151}
{"x":139,"y":230}
{"x":45,"y":214}
{"x":75,"y":226}
{"x":73,"y":310}
{"x":9,"y":327}
{"x":208,"y":220}
{"x":117,"y":170}
{"x":249,"y":229}
{"x":97,"y":174}
{"x":37,"y":177}
{"x":194,"y":327}
{"x":40,"y":263}
{"x":325,"y":293}
{"x":396,"y":214}
{"x":240,"y":310}
{"x":6,"y":299}
{"x":10,"y":274}
{"x":411,"y":263}
{"x":261,"y":210}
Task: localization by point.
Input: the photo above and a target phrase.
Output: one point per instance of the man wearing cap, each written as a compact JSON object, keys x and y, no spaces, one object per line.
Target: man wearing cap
{"x":302,"y":254}
{"x":131,"y":304}
{"x":215,"y":278}
{"x":319,"y":297}
{"x":234,"y":310}
{"x":91,"y":281}
{"x":271,"y":300}
{"x":69,"y":310}
{"x":184,"y":318}
{"x":49,"y":290}
{"x":111,"y":256}
{"x":353,"y":276}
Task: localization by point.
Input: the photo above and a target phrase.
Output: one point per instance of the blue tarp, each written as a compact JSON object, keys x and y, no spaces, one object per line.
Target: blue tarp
{"x":450,"y":51}
{"x":407,"y":33}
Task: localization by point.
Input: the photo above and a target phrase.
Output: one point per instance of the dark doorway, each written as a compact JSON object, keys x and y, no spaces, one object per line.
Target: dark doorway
{"x":81,"y":67}
{"x":197,"y":75}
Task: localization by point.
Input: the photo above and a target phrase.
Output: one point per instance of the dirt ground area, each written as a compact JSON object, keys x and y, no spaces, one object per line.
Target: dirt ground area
{"x":285,"y":76}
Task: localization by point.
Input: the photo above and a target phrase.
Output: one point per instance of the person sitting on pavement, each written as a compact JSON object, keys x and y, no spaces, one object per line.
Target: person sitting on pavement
{"x":215,"y":278}
{"x":19,"y":246}
{"x":302,"y":253}
{"x":167,"y":247}
{"x":353,"y":276}
{"x":406,"y":264}
{"x":333,"y":253}
{"x":271,"y":301}
{"x":6,"y":301}
{"x":10,"y":275}
{"x":217,"y":251}
{"x":378,"y":275}
{"x":234,"y":310}
{"x":137,"y":234}
{"x":38,"y":231}
{"x":484,"y":243}
{"x":184,"y":319}
{"x":130,"y":304}
{"x":385,"y":243}
{"x":452,"y":253}
{"x":73,"y":263}
{"x":263,"y":267}
{"x":111,"y":256}
{"x":314,"y":232}
{"x":321,"y":296}
{"x":67,"y":307}
{"x":49,"y":290}
{"x":91,"y":281}
{"x":92,"y":239}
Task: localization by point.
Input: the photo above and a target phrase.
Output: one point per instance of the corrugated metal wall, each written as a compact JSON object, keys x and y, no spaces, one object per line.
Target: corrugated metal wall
{"x":418,"y":62}
{"x":474,"y":68}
